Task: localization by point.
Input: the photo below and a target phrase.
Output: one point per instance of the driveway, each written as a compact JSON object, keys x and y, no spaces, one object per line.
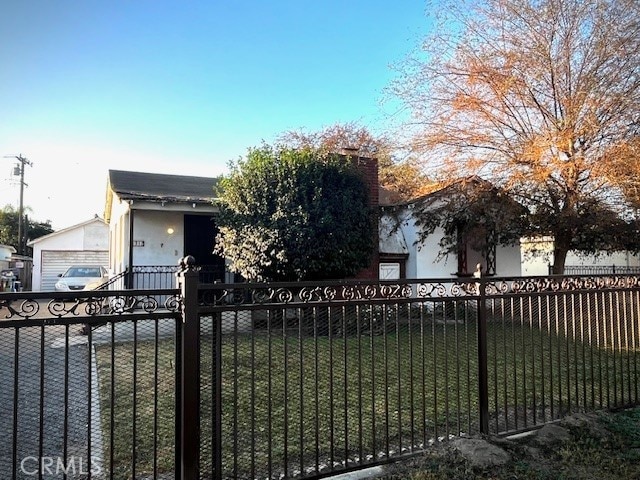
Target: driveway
{"x":44,"y":434}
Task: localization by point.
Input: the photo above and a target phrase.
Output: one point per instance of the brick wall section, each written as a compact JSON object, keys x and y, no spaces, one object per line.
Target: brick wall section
{"x":369,"y":166}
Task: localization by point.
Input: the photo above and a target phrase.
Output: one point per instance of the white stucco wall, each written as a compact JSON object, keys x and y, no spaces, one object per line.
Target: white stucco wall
{"x":508,"y":261}
{"x":160,"y":247}
{"x":539,"y":264}
{"x":153,"y":245}
{"x":423,"y":258}
{"x":424,"y":261}
{"x":5,"y":255}
{"x":118,"y":233}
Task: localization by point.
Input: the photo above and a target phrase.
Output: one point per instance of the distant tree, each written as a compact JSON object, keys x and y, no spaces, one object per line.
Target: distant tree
{"x":9,"y":217}
{"x":294,"y":214}
{"x":403,"y":176}
{"x":540,"y":97}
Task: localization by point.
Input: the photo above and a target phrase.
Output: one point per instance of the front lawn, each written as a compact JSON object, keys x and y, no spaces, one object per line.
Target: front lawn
{"x":292,"y":401}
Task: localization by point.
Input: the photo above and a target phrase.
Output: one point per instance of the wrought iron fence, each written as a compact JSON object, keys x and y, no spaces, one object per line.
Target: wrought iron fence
{"x":307,"y":380}
{"x":598,"y":269}
{"x":94,"y":405}
{"x":302,"y":380}
{"x":155,"y":277}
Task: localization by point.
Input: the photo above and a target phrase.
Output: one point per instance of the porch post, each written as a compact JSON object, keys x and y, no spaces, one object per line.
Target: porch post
{"x":189,"y":412}
{"x":129,"y":278}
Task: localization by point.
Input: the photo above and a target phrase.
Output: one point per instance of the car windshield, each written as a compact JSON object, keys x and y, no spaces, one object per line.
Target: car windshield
{"x":83,"y":272}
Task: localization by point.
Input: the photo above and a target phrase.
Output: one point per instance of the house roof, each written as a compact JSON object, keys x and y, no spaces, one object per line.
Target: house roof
{"x":439,"y":190}
{"x":95,"y":219}
{"x":8,"y":248}
{"x":161,"y":187}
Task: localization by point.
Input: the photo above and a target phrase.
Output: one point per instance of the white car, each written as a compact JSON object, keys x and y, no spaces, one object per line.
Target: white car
{"x":79,"y":277}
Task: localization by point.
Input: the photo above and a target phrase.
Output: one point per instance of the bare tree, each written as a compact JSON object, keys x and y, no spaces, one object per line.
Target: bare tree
{"x":540,"y":97}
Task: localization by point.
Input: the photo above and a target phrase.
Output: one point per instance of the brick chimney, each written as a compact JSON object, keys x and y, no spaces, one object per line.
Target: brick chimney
{"x":369,"y":167}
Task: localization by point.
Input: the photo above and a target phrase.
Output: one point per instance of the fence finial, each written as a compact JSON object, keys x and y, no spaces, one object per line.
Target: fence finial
{"x":187,"y":263}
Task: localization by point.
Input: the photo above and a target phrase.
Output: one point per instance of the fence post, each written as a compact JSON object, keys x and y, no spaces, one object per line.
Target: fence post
{"x":216,"y":409}
{"x":189,"y":404}
{"x":483,"y":382}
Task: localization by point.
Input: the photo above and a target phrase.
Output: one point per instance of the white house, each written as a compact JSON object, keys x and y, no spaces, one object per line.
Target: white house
{"x":537,"y":256}
{"x":405,"y":254}
{"x":86,"y":243}
{"x":156,"y":219}
{"x":6,"y":252}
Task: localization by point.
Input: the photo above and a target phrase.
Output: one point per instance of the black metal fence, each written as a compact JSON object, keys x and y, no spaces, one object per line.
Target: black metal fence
{"x":301,"y":380}
{"x":159,"y":277}
{"x":95,"y":405}
{"x":599,"y":269}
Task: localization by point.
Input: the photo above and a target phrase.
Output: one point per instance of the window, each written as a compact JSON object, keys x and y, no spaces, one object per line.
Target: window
{"x":389,"y":271}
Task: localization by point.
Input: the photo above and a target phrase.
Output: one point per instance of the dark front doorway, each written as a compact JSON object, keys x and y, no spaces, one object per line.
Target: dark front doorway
{"x":199,"y":238}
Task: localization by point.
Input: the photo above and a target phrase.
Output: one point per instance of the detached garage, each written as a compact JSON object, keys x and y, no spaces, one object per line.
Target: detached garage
{"x":84,"y":244}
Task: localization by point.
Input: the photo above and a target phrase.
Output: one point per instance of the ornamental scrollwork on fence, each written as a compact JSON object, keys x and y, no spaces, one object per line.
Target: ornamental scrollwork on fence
{"x":155,"y":268}
{"x":440,"y":289}
{"x":317,"y":294}
{"x":390,"y":291}
{"x":88,"y":306}
{"x":248,"y":294}
{"x":498,"y":287}
{"x":272,"y":295}
{"x":173,"y":303}
{"x":359,"y":292}
{"x":25,"y":308}
{"x":566,"y":284}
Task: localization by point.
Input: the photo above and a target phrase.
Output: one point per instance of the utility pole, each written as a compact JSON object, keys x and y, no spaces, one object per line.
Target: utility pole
{"x":22,"y":161}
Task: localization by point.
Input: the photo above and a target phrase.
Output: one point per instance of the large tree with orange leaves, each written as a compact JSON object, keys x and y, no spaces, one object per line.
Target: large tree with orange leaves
{"x":542,"y":97}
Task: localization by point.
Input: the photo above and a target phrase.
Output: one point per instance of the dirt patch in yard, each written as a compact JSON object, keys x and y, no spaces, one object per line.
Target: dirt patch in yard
{"x":585,"y":446}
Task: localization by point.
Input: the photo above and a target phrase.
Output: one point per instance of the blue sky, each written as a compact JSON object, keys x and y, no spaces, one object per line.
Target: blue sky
{"x":181,"y":87}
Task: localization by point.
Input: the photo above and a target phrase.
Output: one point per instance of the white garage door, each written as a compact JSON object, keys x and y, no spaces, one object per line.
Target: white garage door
{"x":55,"y":262}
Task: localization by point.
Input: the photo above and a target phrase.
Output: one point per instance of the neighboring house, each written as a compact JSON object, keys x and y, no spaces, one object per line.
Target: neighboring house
{"x":403,"y":254}
{"x":86,"y":243}
{"x":7,"y":275}
{"x":6,"y":252}
{"x":537,"y":259}
{"x":156,"y":219}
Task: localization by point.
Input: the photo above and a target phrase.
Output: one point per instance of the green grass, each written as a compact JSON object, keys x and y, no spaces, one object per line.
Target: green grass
{"x":152,"y":383}
{"x":284,"y":396}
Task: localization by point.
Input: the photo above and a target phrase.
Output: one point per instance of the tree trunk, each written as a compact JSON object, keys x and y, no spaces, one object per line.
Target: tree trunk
{"x":560,"y":251}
